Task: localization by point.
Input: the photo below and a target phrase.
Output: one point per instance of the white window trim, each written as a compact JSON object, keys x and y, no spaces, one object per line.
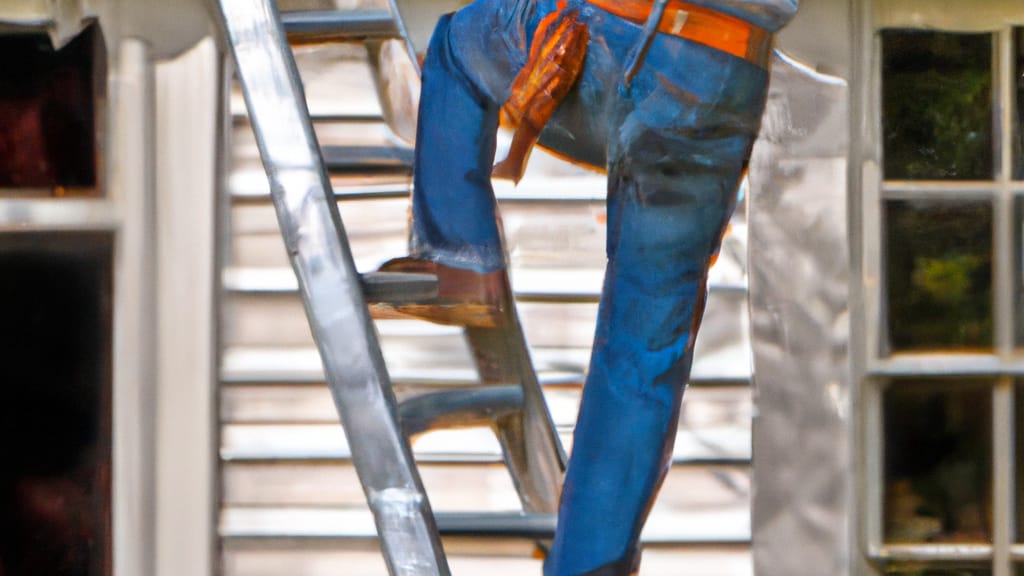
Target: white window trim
{"x":189,"y":100}
{"x":869,"y":368}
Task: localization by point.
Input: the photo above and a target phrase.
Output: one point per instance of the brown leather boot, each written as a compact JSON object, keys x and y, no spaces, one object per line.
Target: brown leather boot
{"x":464,"y":297}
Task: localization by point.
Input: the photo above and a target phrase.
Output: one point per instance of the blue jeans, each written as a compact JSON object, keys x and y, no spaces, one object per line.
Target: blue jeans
{"x":675,"y":143}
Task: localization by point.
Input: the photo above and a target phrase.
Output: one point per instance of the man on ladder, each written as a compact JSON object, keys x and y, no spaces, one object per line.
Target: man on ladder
{"x":666,"y":96}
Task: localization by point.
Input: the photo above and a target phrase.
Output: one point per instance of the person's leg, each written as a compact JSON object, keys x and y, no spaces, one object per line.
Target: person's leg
{"x":466,"y":76}
{"x":674,"y":168}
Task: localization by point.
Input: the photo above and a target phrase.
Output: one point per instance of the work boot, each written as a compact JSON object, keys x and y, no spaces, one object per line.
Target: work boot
{"x":464,"y":297}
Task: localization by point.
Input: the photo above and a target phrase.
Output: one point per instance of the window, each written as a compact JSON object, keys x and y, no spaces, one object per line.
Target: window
{"x":950,"y":137}
{"x":51,"y":104}
{"x":938,"y":461}
{"x":939,"y":274}
{"x":943,"y":215}
{"x":1019,"y":437}
{"x":55,"y":403}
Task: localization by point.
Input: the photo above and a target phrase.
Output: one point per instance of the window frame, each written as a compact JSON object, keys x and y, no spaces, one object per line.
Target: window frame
{"x":873,"y":367}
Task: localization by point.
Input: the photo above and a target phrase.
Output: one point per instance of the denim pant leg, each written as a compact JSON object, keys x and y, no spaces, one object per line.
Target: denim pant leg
{"x":684,"y":132}
{"x":678,"y":143}
{"x":467,"y":75}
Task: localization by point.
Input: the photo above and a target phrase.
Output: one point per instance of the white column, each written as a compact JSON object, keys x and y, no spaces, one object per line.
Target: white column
{"x":187,"y":103}
{"x":129,"y":166}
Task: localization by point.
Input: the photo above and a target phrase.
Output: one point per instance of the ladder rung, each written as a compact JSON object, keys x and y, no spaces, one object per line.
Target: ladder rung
{"x":240,"y":116}
{"x":378,"y":192}
{"x":398,"y":287}
{"x":460,"y":407}
{"x":338,"y":26}
{"x":496,"y":524}
{"x":385,"y":191}
{"x":542,"y":527}
{"x":367,"y":158}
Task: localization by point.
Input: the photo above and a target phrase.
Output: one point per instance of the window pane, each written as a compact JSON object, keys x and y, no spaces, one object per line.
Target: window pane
{"x":938,"y":476}
{"x":1018,"y":268}
{"x":937,"y":105}
{"x":939,"y":274}
{"x":1018,"y":134}
{"x":1019,"y":468}
{"x":47,"y":102}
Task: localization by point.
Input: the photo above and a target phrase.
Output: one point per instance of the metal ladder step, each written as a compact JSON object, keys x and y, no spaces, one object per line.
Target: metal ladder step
{"x":367,"y":159}
{"x":398,"y":287}
{"x":497,"y":524}
{"x":378,"y":31}
{"x":462,"y":407}
{"x":392,"y":295}
{"x":339,"y":26}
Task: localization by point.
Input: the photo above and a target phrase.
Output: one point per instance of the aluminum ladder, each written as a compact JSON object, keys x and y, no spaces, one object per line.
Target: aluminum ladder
{"x":337,"y":298}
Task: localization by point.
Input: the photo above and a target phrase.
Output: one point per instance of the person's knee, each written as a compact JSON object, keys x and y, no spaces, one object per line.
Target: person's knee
{"x":491,"y":60}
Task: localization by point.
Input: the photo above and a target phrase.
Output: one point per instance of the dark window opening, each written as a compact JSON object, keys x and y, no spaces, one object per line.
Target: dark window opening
{"x":938,"y":462}
{"x":49,"y":101}
{"x":937,"y":108}
{"x":55,"y":404}
{"x":939,"y":275}
{"x":1019,"y":465}
{"x":1018,"y":270}
{"x":1018,"y":108}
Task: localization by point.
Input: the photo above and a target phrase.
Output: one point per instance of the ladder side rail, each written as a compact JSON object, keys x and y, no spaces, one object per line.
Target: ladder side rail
{"x":330,"y":287}
{"x":403,"y":33}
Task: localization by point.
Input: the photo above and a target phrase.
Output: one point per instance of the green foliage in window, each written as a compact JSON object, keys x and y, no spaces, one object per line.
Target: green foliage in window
{"x":947,"y":280}
{"x":939,"y":275}
{"x":937,"y":110}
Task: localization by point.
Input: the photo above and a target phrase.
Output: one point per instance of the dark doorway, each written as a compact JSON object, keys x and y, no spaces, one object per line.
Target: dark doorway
{"x":50,"y":107}
{"x":55,"y":403}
